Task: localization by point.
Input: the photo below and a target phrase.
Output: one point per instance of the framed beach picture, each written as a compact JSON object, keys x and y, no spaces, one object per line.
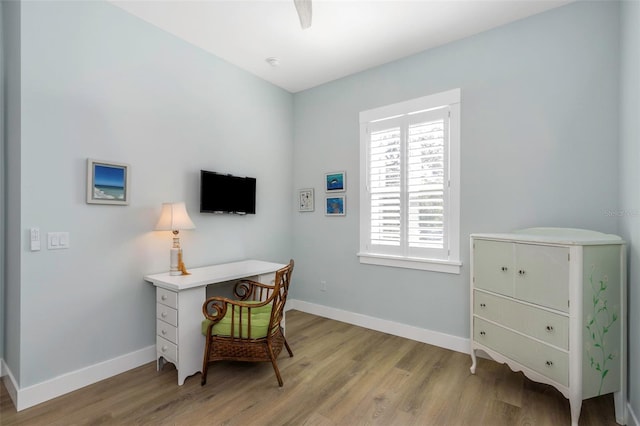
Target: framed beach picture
{"x":305,"y":200}
{"x":336,"y":206}
{"x":336,"y":182}
{"x":107,"y":182}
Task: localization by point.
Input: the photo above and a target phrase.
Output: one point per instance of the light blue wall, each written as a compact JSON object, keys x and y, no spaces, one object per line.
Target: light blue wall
{"x":629,"y":178}
{"x":2,"y":179}
{"x":12,"y":241}
{"x":539,"y":148}
{"x":100,"y":83}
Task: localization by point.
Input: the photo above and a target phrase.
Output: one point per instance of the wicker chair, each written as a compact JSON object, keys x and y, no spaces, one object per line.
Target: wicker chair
{"x":247,"y":329}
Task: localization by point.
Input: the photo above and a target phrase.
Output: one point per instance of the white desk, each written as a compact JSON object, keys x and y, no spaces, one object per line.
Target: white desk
{"x":179,"y":315}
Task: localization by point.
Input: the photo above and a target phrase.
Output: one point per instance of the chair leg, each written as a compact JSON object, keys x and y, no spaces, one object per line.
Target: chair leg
{"x":275,"y":366}
{"x":205,"y":364}
{"x":286,"y":345}
{"x":203,"y":380}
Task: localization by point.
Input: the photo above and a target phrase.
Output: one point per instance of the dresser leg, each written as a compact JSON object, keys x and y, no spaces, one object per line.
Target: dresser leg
{"x":160,"y":363}
{"x":474,"y":361}
{"x":576,"y":406}
{"x":620,"y":404}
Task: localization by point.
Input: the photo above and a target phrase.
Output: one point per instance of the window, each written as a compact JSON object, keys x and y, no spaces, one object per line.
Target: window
{"x":410,"y":180}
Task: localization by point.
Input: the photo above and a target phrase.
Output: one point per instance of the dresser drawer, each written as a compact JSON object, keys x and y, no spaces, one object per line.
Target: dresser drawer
{"x":167,"y":297}
{"x":543,"y":325}
{"x":167,"y":331}
{"x":546,"y":360}
{"x":166,"y":349}
{"x":167,"y":314}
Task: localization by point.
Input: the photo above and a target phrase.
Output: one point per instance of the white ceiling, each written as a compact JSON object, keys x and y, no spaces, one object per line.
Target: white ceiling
{"x":346,"y":36}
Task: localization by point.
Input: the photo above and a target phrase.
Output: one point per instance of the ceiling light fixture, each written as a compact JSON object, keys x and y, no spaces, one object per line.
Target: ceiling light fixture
{"x":273,"y":61}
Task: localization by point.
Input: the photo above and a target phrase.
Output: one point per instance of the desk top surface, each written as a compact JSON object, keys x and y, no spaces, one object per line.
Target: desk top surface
{"x":213,"y":274}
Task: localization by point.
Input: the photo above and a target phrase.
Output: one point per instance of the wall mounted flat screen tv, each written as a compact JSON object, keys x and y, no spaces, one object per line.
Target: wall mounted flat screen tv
{"x":220,"y":193}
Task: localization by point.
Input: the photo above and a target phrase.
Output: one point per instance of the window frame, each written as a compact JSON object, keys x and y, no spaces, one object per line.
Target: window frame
{"x":451,"y":263}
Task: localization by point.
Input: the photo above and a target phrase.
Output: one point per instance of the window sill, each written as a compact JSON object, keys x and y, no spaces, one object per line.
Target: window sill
{"x":434,"y":265}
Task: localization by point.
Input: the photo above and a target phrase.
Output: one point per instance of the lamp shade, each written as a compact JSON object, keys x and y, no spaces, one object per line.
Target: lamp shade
{"x":174,"y":217}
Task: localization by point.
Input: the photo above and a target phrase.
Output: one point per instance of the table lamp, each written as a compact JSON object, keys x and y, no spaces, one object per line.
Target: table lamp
{"x":174,"y":217}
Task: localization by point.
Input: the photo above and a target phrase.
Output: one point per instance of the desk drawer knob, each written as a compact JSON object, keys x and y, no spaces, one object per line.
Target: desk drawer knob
{"x":482,"y":333}
{"x":164,"y":349}
{"x":483,"y":305}
{"x":549,"y":363}
{"x":504,"y":269}
{"x":164,"y":332}
{"x":549,"y":328}
{"x":164,"y":297}
{"x":163,"y":315}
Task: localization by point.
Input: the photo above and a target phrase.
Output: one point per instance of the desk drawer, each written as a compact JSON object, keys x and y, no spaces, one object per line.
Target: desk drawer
{"x":167,"y":314}
{"x":167,"y":331}
{"x":166,"y":349}
{"x":167,"y":297}
{"x":547,"y":326}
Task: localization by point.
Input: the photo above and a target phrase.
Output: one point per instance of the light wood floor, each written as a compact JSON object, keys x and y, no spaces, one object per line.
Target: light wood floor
{"x":340,"y":375}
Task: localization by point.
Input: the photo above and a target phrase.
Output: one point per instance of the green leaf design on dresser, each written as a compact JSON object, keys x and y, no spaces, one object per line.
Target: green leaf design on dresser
{"x":598,"y":324}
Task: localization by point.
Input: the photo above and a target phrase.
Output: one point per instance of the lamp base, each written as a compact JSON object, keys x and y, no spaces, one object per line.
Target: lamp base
{"x":177,"y":265}
{"x":173,"y":269}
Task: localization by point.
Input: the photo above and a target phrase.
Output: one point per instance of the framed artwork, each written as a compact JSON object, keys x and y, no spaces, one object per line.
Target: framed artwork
{"x":107,"y":182}
{"x":335,"y":182}
{"x":305,"y":200}
{"x":336,"y":206}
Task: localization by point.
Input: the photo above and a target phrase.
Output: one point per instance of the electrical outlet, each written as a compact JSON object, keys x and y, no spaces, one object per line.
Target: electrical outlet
{"x":323,"y":286}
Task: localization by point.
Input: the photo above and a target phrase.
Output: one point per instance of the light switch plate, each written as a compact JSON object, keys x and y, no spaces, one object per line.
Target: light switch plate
{"x":57,"y":240}
{"x":34,"y":239}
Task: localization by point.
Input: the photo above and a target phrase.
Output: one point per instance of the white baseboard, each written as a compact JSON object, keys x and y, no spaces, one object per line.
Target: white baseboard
{"x":632,"y":418}
{"x":44,"y":391}
{"x":10,"y":383}
{"x":436,"y":338}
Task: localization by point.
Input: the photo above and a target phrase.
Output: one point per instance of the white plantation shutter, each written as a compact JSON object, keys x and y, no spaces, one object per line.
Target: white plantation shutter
{"x":406,"y":204}
{"x":386,"y":186}
{"x":427,"y":175}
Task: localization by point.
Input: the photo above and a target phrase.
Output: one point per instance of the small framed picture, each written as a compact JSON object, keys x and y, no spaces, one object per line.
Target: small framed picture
{"x":305,"y":200}
{"x":336,"y":182}
{"x":336,"y":206}
{"x":107,"y":182}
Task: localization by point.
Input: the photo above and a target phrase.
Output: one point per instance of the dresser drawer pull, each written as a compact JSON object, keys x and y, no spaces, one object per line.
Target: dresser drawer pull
{"x":483,"y":305}
{"x":549,"y":363}
{"x":504,"y":269}
{"x":163,"y":315}
{"x":163,"y":297}
{"x":482,"y":333}
{"x":164,"y":332}
{"x":521,"y":271}
{"x":164,"y":348}
{"x":549,"y":328}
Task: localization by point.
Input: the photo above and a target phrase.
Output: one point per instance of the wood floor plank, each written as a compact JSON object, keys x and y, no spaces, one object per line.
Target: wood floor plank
{"x":340,"y":375}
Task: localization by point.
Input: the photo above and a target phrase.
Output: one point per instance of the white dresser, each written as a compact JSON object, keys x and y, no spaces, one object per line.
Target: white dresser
{"x":551,"y":302}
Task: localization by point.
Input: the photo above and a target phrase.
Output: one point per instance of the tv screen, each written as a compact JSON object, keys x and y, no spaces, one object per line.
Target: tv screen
{"x":220,"y":193}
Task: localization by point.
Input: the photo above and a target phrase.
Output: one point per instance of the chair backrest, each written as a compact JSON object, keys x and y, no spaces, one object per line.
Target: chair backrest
{"x":282,"y":281}
{"x":244,"y":319}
